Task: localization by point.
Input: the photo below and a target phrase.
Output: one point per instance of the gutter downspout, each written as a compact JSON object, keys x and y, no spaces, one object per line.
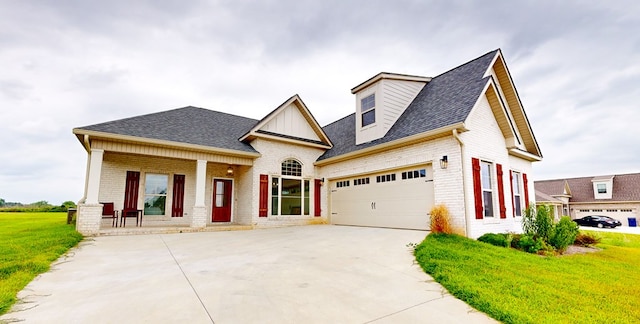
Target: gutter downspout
{"x":467,"y":222}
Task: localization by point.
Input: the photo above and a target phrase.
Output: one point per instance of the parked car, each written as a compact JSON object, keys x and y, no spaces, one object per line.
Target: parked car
{"x":597,"y":221}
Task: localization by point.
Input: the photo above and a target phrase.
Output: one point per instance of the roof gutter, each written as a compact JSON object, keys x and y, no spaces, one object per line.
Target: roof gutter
{"x":443,"y":131}
{"x":467,"y":220}
{"x":128,"y":138}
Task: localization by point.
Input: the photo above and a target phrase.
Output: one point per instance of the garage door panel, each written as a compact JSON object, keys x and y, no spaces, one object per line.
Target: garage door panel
{"x":403,"y":203}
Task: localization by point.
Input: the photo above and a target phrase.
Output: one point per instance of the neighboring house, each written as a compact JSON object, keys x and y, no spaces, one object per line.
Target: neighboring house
{"x":617,"y":196}
{"x":461,"y":139}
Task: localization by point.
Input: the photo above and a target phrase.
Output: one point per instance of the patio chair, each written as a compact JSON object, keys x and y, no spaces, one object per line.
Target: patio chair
{"x":109,"y":212}
{"x":130,"y":212}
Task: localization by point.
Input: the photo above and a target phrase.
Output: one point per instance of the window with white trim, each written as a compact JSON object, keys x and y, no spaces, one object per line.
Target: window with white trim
{"x":368,"y":109}
{"x":155,"y":193}
{"x":486,"y":171}
{"x":290,"y":192}
{"x":517,"y":193}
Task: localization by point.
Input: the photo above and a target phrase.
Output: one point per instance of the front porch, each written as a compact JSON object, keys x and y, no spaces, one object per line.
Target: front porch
{"x":155,"y":228}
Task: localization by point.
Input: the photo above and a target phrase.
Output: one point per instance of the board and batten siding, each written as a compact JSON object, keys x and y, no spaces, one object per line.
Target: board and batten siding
{"x":292,"y":123}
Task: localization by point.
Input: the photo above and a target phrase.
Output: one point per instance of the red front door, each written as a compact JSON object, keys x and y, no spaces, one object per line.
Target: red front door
{"x":221,"y":211}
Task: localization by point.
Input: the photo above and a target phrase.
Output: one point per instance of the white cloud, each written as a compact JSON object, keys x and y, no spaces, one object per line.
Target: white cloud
{"x":73,"y":63}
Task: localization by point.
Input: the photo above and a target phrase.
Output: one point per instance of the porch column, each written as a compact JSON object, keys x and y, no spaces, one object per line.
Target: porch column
{"x":93,"y":182}
{"x":199,"y":214}
{"x":90,"y":212}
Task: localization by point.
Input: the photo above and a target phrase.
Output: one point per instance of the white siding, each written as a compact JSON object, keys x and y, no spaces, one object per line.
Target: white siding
{"x":392,"y":99}
{"x":395,"y":97}
{"x":291,"y":122}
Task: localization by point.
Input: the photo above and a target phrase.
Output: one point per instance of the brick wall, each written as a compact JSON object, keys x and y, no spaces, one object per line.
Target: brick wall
{"x":447,"y":182}
{"x":485,"y":141}
{"x":273,"y":154}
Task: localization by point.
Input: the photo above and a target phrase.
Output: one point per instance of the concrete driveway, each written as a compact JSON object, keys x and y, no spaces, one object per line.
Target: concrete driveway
{"x":306,"y":274}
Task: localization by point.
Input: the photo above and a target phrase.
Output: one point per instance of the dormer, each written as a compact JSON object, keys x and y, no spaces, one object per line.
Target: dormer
{"x":602,"y":187}
{"x":381,"y":100}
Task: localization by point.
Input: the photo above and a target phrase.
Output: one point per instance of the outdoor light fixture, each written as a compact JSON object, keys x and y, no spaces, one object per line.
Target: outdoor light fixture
{"x":229,"y":171}
{"x":444,"y":162}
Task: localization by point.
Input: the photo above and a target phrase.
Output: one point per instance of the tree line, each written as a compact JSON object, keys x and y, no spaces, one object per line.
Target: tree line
{"x":38,"y":206}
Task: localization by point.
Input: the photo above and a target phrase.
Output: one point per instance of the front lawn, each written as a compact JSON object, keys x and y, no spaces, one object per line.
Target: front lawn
{"x":29,"y":243}
{"x":517,"y":287}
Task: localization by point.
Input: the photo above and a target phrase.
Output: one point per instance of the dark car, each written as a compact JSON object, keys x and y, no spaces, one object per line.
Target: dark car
{"x":597,"y":221}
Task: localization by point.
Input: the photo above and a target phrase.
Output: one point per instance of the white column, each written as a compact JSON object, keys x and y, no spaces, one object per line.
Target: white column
{"x":201,"y":180}
{"x":93,"y":181}
{"x":198,"y":215}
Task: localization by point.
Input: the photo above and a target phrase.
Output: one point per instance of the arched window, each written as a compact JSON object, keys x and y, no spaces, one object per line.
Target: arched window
{"x":291,"y":168}
{"x":289,"y":192}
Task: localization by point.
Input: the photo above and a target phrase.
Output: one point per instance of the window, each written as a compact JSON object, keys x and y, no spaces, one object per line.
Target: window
{"x":487,"y":190}
{"x":155,"y":194}
{"x":368,"y":110}
{"x":517,"y":196}
{"x":292,"y":168}
{"x":361,"y":181}
{"x":386,"y":178}
{"x":602,"y":188}
{"x":414,"y":174}
{"x":289,"y":192}
{"x":341,"y":184}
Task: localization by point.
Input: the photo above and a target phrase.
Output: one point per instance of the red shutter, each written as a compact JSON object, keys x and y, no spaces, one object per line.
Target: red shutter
{"x":316,"y":197}
{"x":503,"y":209}
{"x":477,"y":187}
{"x":177,"y":208}
{"x":526,"y":190}
{"x":513,"y":201}
{"x":131,"y":190}
{"x":264,"y":195}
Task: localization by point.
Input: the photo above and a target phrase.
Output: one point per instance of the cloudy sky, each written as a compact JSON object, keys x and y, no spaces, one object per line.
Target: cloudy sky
{"x":72,"y":63}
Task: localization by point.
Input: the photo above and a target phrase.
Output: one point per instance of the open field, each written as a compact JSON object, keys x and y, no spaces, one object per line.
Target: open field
{"x":30,"y":242}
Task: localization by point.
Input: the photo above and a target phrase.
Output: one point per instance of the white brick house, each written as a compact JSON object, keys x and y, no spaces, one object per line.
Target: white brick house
{"x":461,"y":139}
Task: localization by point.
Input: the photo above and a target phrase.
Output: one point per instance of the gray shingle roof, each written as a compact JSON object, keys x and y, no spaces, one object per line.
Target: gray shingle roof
{"x":191,"y":125}
{"x":626,"y":187}
{"x":446,"y":100}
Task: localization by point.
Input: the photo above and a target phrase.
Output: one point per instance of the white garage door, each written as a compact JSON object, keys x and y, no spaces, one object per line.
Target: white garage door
{"x":397,"y":199}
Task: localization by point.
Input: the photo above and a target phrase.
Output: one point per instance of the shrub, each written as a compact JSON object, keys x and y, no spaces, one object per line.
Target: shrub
{"x":564,"y":234}
{"x":529,"y":220}
{"x":515,"y":240}
{"x":544,"y":222}
{"x":440,"y":219}
{"x":529,"y":244}
{"x":587,"y":239}
{"x":537,"y":222}
{"x":496,"y":239}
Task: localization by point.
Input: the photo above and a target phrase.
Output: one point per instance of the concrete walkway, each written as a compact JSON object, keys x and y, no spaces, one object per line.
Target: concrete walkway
{"x":306,"y":274}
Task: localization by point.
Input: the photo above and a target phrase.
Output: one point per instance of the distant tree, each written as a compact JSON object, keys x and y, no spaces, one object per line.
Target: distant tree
{"x":41,"y":203}
{"x":1,"y":202}
{"x":69,"y":204}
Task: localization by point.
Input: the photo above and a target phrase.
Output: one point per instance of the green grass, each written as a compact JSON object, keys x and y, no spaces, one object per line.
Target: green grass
{"x":29,"y":243}
{"x":517,"y":287}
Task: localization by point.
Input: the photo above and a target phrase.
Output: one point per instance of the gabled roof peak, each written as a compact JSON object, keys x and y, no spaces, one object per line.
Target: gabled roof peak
{"x":389,"y":76}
